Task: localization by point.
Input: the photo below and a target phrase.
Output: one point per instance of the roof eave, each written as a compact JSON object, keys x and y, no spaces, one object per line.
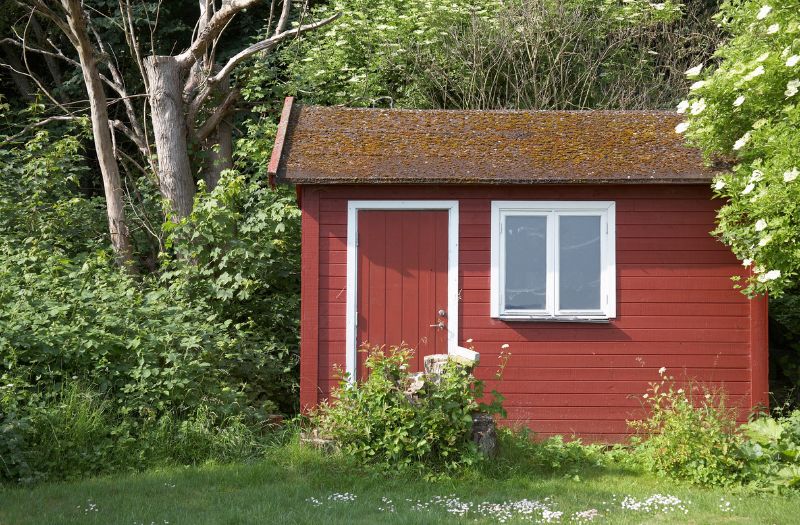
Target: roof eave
{"x":280,"y":138}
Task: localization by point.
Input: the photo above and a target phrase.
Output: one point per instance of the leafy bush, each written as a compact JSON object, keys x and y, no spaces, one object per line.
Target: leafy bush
{"x":376,"y":421}
{"x":688,"y":436}
{"x":540,"y":54}
{"x":239,"y":254}
{"x":747,"y":110}
{"x":772,"y":451}
{"x":520,"y":451}
{"x":75,"y":434}
{"x":784,"y":348}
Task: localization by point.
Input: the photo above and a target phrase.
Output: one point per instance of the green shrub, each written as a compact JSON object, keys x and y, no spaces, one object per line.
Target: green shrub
{"x":376,"y":421}
{"x":520,"y":451}
{"x":772,"y":451}
{"x":238,"y":253}
{"x":689,"y":436}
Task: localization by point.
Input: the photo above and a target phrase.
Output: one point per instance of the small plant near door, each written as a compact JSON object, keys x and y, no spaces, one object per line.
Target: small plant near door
{"x":400,"y":419}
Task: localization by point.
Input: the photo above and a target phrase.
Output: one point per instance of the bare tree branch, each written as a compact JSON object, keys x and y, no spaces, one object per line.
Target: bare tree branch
{"x":266,"y":45}
{"x":213,"y":29}
{"x":39,"y":124}
{"x":263,"y":45}
{"x":219,"y":113}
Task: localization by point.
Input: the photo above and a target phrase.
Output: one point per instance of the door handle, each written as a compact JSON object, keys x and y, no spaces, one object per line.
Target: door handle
{"x":439,"y":326}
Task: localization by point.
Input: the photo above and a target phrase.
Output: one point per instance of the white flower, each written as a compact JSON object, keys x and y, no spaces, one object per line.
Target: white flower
{"x":792,"y":87}
{"x":769,"y":276}
{"x":698,"y":106}
{"x":694,"y":71}
{"x":697,"y":85}
{"x":765,"y":240}
{"x":774,"y":28}
{"x":756,"y":176}
{"x":763,"y":57}
{"x":739,"y":144}
{"x":747,"y":262}
{"x":662,"y":370}
{"x":680,"y":391}
{"x":793,"y":60}
{"x":789,"y":176}
{"x":739,"y":101}
{"x":748,"y":188}
{"x":658,"y":7}
{"x":754,"y":73}
{"x":719,"y":184}
{"x":761,"y":225}
{"x":763,"y":12}
{"x":683,"y":106}
{"x":504,"y":346}
{"x":469,"y":340}
{"x":708,"y":396}
{"x":682,"y":127}
{"x":645,"y":396}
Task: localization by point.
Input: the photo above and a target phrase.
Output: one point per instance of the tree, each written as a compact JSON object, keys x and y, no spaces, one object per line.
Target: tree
{"x":532,"y":54}
{"x":74,"y":25}
{"x":747,"y":109}
{"x":187,"y":97}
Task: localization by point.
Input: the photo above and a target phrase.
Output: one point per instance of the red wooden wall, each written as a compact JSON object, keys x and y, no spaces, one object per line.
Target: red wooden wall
{"x":676,"y":307}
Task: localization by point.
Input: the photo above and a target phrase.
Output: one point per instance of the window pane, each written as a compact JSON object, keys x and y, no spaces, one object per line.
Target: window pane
{"x":526,"y":263}
{"x":579,"y":262}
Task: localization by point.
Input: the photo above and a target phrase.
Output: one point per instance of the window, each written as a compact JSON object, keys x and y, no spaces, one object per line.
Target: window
{"x":553,"y":260}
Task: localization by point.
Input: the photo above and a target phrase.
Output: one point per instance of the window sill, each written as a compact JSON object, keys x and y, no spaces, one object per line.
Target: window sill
{"x":558,"y":319}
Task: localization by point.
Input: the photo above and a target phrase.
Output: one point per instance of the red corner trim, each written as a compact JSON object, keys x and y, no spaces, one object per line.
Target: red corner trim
{"x":309,"y":301}
{"x":280,"y":136}
{"x":759,"y":352}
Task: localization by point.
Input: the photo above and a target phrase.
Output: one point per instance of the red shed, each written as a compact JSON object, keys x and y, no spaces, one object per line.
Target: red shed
{"x":578,"y":238}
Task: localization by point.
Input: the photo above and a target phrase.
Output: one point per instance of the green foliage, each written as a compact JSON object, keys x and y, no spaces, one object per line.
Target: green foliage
{"x":519,"y":451}
{"x":772,"y":451}
{"x":40,"y":201}
{"x":689,"y":436}
{"x":75,"y":434}
{"x":162,"y":368}
{"x":377,"y":422}
{"x":366,"y":57}
{"x":68,"y":319}
{"x":747,"y":109}
{"x":784,"y":350}
{"x":239,"y":253}
{"x":491,"y":54}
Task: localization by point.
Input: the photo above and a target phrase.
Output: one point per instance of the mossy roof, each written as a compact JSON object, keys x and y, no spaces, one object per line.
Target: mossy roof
{"x":337,"y":145}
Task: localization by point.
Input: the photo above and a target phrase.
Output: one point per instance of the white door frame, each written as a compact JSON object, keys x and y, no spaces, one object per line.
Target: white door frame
{"x":353,"y":207}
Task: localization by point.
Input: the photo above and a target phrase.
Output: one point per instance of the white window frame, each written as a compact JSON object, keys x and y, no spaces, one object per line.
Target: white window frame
{"x":353,"y":207}
{"x":553,"y":210}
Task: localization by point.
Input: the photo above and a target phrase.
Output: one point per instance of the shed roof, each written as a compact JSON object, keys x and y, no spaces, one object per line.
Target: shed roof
{"x":337,"y":145}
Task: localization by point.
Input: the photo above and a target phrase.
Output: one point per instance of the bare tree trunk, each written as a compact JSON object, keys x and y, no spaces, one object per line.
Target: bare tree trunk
{"x":117,"y":226}
{"x":169,"y":129}
{"x":20,"y":80}
{"x":55,"y":71}
{"x":220,"y":154}
{"x":219,"y":145}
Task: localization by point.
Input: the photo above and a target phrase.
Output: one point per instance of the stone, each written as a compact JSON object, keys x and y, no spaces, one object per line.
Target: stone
{"x":484,"y":433}
{"x":315,"y":440}
{"x":435,"y":363}
{"x":415,"y":386}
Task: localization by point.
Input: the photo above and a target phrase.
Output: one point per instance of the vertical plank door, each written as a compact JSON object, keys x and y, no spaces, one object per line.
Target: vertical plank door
{"x":402,"y":282}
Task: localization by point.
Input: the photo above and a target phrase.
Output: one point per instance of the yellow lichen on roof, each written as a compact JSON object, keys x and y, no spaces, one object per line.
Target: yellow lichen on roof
{"x":334,"y":145}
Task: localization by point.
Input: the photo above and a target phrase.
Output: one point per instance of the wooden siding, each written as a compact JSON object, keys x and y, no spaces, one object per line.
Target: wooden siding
{"x":676,"y":307}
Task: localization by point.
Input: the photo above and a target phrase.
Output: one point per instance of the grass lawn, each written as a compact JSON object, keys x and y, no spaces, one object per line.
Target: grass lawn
{"x":291,"y":485}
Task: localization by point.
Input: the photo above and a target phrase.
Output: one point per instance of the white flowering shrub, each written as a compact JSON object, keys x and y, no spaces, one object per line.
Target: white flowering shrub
{"x":688,"y":434}
{"x":420,"y":53}
{"x":745,"y":109}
